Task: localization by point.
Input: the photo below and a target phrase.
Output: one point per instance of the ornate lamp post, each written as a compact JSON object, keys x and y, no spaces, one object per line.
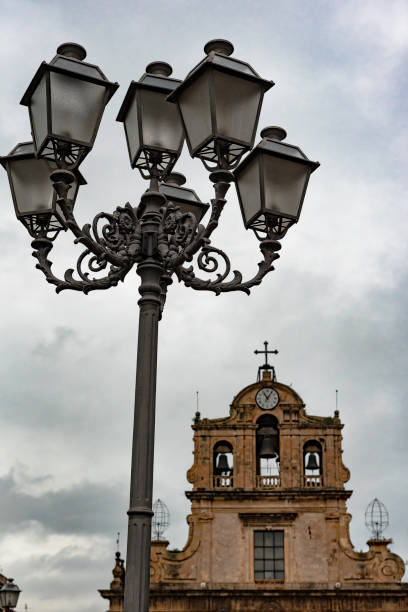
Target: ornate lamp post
{"x":217,"y":109}
{"x":9,"y":594}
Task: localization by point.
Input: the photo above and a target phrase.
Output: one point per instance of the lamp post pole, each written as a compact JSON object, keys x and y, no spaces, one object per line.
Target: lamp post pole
{"x":164,"y":233}
{"x":141,"y":479}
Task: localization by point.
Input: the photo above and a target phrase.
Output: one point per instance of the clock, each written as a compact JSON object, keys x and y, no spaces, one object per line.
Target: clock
{"x":267,"y":398}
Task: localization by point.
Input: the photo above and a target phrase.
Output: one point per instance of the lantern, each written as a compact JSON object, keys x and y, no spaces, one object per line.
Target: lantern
{"x":219,"y":102}
{"x":9,"y":594}
{"x":186,"y":199}
{"x":272,"y":180}
{"x":66,"y":100}
{"x":34,"y":198}
{"x":153,"y":128}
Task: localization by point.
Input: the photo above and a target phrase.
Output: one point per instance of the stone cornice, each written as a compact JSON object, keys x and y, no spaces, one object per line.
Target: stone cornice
{"x":203,"y":426}
{"x":297,"y":494}
{"x":282,"y":590}
{"x":267,"y":518}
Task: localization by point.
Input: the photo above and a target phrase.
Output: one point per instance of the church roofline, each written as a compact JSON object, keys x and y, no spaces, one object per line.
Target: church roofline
{"x":262,"y":383}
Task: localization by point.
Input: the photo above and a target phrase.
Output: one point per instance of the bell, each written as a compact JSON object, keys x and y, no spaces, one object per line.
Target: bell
{"x":267,"y":449}
{"x":312,"y":463}
{"x":222,"y":463}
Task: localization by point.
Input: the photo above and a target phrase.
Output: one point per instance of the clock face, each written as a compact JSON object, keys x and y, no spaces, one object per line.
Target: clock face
{"x":267,"y":398}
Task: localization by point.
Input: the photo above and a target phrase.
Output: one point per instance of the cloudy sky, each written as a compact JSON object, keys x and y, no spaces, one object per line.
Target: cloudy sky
{"x":336,"y":306}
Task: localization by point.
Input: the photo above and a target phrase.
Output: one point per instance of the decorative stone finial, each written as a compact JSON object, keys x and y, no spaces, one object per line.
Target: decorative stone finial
{"x":159,"y":68}
{"x":71,"y":49}
{"x":274,"y":132}
{"x":118,"y":572}
{"x":219,"y":45}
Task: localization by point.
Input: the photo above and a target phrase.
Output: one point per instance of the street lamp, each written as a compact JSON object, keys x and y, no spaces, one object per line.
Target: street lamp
{"x":216,"y":108}
{"x":183,"y":199}
{"x":9,"y":594}
{"x":35,"y":200}
{"x":66,"y":99}
{"x":227,"y":95}
{"x":272,"y":182}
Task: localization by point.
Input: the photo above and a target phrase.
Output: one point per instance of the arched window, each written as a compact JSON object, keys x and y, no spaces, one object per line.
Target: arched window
{"x":312,"y":464}
{"x":223,"y":464}
{"x":267,"y":452}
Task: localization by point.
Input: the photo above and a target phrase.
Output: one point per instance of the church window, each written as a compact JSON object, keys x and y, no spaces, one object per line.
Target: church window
{"x":312,"y":461}
{"x":269,"y":555}
{"x":267,"y":452}
{"x":223,"y":464}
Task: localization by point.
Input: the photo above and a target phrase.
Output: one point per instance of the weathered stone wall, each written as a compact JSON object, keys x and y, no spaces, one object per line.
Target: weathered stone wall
{"x":323,"y":573}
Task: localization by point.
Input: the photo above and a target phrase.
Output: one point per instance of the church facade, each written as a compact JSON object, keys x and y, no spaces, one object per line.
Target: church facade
{"x":269,"y":527}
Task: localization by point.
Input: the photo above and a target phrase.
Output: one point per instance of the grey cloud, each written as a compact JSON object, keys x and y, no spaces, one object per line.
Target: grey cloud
{"x":86,"y":508}
{"x":335,"y":307}
{"x":67,"y":579}
{"x":51,"y":349}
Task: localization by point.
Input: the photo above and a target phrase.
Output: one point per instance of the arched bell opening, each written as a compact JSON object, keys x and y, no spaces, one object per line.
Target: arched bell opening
{"x":223,"y":464}
{"x":267,"y":452}
{"x":313,"y":464}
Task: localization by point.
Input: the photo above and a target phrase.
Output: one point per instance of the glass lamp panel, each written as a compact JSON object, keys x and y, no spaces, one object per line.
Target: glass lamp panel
{"x":236,"y":101}
{"x":161,"y":124}
{"x":284,"y":183}
{"x":33,"y":191}
{"x":195,"y":108}
{"x":248,"y":185}
{"x":8,"y":598}
{"x":132,"y":129}
{"x":76,"y":107}
{"x":38,"y":107}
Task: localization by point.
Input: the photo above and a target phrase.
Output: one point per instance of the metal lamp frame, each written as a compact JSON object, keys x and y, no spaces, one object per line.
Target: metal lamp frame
{"x":32,"y":220}
{"x":142,"y":158}
{"x":50,"y":147}
{"x":265,"y":220}
{"x":214,"y":148}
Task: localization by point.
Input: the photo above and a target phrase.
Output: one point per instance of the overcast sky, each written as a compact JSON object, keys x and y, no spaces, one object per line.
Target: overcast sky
{"x":336,"y":306}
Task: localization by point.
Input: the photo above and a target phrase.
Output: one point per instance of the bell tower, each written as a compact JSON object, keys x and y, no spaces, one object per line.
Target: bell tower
{"x":269,"y":527}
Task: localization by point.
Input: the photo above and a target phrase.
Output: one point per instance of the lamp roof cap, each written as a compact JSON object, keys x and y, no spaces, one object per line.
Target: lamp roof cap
{"x":69,"y":61}
{"x":71,"y":49}
{"x":219,"y":45}
{"x":218,"y":52}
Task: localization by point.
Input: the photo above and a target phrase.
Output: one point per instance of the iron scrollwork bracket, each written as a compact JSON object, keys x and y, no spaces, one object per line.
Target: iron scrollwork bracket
{"x":211,"y":258}
{"x":115,"y":242}
{"x":116,"y":248}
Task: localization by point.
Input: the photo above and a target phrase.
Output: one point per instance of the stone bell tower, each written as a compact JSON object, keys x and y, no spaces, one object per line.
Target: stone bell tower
{"x":269,"y":527}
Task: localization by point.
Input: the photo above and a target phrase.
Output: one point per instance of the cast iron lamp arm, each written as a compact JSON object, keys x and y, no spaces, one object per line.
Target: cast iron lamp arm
{"x":42,"y":248}
{"x":115,"y":234}
{"x":209,"y":261}
{"x":210,"y":258}
{"x":118,"y":246}
{"x":221,"y":180}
